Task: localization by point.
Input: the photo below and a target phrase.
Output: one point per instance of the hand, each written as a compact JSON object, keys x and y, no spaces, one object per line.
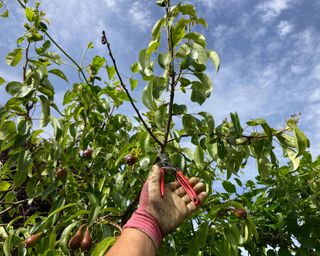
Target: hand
{"x":175,"y":206}
{"x":157,"y":216}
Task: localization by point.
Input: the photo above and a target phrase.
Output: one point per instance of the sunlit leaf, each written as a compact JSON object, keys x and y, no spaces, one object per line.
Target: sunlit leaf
{"x":14,"y":57}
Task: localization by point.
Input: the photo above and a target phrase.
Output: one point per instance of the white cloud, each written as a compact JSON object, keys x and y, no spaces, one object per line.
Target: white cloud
{"x":217,"y":4}
{"x":140,"y":15}
{"x":316,"y":72}
{"x":111,"y":3}
{"x":315,"y":96}
{"x":273,"y":8}
{"x":285,"y":28}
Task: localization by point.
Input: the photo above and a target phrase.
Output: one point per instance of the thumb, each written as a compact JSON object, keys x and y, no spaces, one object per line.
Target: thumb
{"x":154,"y":180}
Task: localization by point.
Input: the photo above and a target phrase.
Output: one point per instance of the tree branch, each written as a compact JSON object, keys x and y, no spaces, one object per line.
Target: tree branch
{"x":67,"y":55}
{"x":105,"y":41}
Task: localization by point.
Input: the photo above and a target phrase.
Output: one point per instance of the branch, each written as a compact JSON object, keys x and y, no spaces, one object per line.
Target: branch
{"x":108,"y":221}
{"x":173,"y":82}
{"x":60,"y":48}
{"x":67,"y":55}
{"x":12,"y":205}
{"x":105,"y":41}
{"x":24,"y":68}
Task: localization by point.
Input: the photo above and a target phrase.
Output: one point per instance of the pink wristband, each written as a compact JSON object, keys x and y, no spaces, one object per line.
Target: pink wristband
{"x":144,"y":222}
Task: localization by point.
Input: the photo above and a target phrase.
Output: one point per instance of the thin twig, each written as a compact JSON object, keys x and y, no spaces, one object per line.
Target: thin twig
{"x":12,"y":205}
{"x":105,"y":40}
{"x":67,"y":55}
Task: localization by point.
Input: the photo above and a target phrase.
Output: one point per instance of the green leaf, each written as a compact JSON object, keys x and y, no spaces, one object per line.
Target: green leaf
{"x":30,"y":14}
{"x":197,"y":38}
{"x":183,"y":51}
{"x":164,"y":59}
{"x":13,"y":87}
{"x":55,"y":57}
{"x":52,"y":240}
{"x":20,"y":40}
{"x":232,"y":234}
{"x":178,"y":31}
{"x":59,"y":73}
{"x":1,"y":80}
{"x":198,"y":54}
{"x":14,"y":57}
{"x":301,"y":141}
{"x":103,"y":246}
{"x":152,"y":47}
{"x":6,"y":246}
{"x":236,"y":124}
{"x":134,"y":67}
{"x":5,"y":14}
{"x":133,"y":83}
{"x":24,"y":164}
{"x":157,"y":27}
{"x":228,"y":186}
{"x":46,"y":45}
{"x":7,"y":128}
{"x":209,"y":120}
{"x":45,"y":114}
{"x":203,"y":22}
{"x":111,"y":72}
{"x":147,"y":97}
{"x":199,"y":156}
{"x":198,"y":93}
{"x":90,"y":45}
{"x":189,"y":124}
{"x":214,"y":57}
{"x":63,"y":242}
{"x":188,"y":9}
{"x":294,"y":160}
{"x":4,"y":185}
{"x":256,"y":122}
{"x":24,"y":126}
{"x":94,"y":213}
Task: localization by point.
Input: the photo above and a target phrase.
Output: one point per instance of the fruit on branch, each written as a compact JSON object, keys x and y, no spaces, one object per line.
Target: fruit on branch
{"x":240,"y":213}
{"x":75,"y":241}
{"x":86,"y":242}
{"x":61,"y":173}
{"x":130,"y":159}
{"x":87,"y":153}
{"x":32,"y":240}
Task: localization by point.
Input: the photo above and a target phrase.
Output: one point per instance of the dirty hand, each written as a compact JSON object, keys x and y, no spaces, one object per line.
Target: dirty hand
{"x":157,"y":216}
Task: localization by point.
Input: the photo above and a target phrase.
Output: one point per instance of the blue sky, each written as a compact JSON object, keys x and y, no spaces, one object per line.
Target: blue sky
{"x":269,"y":49}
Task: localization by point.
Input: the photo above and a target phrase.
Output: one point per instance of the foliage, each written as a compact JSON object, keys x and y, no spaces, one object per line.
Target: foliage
{"x":80,"y":174}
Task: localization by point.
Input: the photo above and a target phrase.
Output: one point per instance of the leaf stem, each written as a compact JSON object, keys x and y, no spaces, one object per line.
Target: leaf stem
{"x":105,"y":40}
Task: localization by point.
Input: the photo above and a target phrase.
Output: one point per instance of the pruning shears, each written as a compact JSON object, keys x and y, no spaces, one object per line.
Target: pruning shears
{"x":166,"y":166}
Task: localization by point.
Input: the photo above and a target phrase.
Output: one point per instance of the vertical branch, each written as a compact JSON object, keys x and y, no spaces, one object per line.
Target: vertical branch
{"x":172,"y":77}
{"x":105,"y":41}
{"x":24,"y":68}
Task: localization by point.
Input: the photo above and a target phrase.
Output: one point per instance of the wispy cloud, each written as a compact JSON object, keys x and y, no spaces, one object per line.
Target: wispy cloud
{"x":285,"y":28}
{"x":270,"y":9}
{"x":140,"y":15}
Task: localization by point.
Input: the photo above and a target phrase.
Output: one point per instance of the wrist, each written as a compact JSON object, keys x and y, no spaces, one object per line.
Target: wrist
{"x":146,"y":223}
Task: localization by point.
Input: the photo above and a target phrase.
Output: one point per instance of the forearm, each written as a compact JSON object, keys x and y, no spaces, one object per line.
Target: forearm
{"x":132,"y":242}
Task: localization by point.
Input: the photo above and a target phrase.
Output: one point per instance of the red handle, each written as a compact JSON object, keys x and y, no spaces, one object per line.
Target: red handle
{"x":161,"y":182}
{"x":188,"y":188}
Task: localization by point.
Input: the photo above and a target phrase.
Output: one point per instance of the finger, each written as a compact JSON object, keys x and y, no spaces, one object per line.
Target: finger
{"x":154,"y":181}
{"x":198,"y":188}
{"x":202,"y":196}
{"x":173,"y":186}
{"x":181,"y":192}
{"x":154,"y":174}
